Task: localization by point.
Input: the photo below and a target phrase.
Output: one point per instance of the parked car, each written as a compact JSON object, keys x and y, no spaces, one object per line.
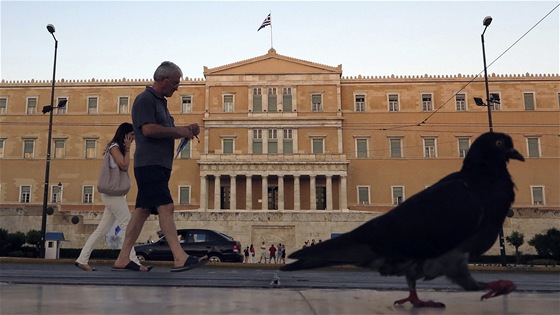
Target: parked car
{"x":198,"y":242}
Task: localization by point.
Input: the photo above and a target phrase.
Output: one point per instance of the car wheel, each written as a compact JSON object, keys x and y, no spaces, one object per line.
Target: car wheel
{"x":214,"y":258}
{"x":141,"y":258}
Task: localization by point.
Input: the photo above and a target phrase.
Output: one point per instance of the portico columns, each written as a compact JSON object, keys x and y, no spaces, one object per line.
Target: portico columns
{"x":249,"y":192}
{"x":280,"y":192}
{"x":264,"y":192}
{"x":233,"y":192}
{"x":312,"y":193}
{"x":297,"y":193}
{"x":329,"y":193}
{"x":203,"y":193}
{"x":217,"y":192}
{"x":343,"y":192}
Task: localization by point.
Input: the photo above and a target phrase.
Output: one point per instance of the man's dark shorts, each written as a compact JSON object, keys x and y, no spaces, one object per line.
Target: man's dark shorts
{"x":153,"y":187}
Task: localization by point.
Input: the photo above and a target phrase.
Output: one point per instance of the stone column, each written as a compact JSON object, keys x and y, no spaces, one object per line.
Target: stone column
{"x":343,"y":193}
{"x":329,"y":193}
{"x":312,"y":193}
{"x":297,"y":193}
{"x":203,"y":193}
{"x":264,"y":192}
{"x":280,"y":192}
{"x":249,"y":192}
{"x":232,"y":192}
{"x":217,"y":192}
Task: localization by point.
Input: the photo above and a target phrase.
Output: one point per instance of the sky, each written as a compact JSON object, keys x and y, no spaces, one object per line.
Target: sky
{"x":108,"y":40}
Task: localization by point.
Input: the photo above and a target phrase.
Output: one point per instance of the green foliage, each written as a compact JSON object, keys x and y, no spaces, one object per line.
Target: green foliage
{"x":10,"y":242}
{"x":33,"y":237}
{"x":516,"y":239}
{"x":548,"y":244}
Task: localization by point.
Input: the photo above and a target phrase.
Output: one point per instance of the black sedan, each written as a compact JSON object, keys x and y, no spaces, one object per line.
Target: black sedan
{"x":198,"y":242}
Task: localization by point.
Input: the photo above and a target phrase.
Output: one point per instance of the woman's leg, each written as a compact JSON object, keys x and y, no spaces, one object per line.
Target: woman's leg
{"x":105,"y":224}
{"x":119,"y":208}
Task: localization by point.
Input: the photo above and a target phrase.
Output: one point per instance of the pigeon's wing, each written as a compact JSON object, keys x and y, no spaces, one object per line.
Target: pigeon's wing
{"x":426,"y":225}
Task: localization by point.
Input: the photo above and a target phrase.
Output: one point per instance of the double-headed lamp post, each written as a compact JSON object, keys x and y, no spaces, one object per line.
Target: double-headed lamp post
{"x":490,"y":101}
{"x":49,"y":109}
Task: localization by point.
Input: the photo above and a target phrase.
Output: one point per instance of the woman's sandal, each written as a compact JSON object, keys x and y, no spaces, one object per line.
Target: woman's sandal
{"x":84,"y":267}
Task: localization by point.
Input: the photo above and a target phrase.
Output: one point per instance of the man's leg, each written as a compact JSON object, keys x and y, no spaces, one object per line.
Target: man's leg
{"x":167,"y":225}
{"x":139,"y":216}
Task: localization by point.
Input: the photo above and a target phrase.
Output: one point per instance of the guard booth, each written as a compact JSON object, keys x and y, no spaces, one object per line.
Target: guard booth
{"x":52,"y":244}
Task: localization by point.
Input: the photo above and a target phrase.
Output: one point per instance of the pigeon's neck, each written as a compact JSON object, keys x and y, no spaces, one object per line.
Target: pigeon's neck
{"x":486,"y":168}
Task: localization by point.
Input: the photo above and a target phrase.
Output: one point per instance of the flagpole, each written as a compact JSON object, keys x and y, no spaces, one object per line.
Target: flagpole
{"x":271,"y":46}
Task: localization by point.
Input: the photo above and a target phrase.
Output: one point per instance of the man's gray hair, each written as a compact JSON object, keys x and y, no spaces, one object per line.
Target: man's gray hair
{"x":166,"y":69}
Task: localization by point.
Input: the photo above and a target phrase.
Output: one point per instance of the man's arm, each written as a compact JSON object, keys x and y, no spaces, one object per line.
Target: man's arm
{"x":159,"y":131}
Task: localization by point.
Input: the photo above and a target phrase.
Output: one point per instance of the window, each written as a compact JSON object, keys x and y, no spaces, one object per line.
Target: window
{"x":90,"y":149}
{"x":537,"y":195}
{"x":59,"y":148}
{"x":397,"y":193}
{"x":186,"y":104}
{"x":396,"y":147}
{"x":533,"y":147}
{"x":2,"y":141}
{"x":227,"y":146}
{"x":361,"y":148}
{"x":316,"y":103}
{"x":272,"y":100}
{"x":92,"y":105}
{"x":257,"y":100}
{"x":529,"y":101}
{"x":317,"y":145}
{"x":427,"y":105}
{"x":288,"y":141}
{"x":257,"y":141}
{"x":123,"y":105}
{"x":495,"y":99}
{"x":393,"y":102}
{"x":360,"y":103}
{"x":87,"y":195}
{"x":287,"y":99}
{"x":184,"y":195}
{"x":363,"y":195}
{"x":25,"y":194}
{"x":429,"y":147}
{"x":463,"y":146}
{"x":56,"y":194}
{"x":3,"y":105}
{"x":28,"y":148}
{"x":272,"y":141}
{"x":460,"y":102}
{"x":558,"y":94}
{"x":31,"y":105}
{"x":186,"y":151}
{"x":62,"y":110}
{"x":228,"y":103}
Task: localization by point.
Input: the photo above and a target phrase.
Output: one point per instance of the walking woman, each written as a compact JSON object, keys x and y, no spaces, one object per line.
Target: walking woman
{"x":116,"y":208}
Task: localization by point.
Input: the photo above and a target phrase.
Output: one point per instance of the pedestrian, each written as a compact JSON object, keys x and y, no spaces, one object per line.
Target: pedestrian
{"x":155,"y":134}
{"x":272,"y":251}
{"x":116,"y":208}
{"x":263,"y":253}
{"x":252,"y":252}
{"x":246,"y":254}
{"x":279,"y":252}
{"x":283,"y":254}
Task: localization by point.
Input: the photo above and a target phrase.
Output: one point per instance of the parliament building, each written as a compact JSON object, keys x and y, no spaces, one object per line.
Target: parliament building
{"x":282,"y":139}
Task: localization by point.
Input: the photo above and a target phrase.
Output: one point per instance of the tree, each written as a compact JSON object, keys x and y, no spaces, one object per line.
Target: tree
{"x":548,"y":244}
{"x":33,"y":237}
{"x":516,"y":239}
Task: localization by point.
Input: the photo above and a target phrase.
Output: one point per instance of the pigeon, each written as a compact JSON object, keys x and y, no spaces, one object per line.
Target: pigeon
{"x":434,"y":232}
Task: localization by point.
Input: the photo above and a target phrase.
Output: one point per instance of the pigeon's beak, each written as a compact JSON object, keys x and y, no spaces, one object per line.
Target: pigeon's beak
{"x":514,"y":155}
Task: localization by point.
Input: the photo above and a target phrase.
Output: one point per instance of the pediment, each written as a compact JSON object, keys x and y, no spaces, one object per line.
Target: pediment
{"x":272,"y":63}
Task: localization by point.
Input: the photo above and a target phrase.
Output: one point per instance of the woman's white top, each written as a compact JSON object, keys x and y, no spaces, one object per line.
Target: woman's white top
{"x":112,"y":163}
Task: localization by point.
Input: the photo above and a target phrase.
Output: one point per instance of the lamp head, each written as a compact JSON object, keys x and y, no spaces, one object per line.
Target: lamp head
{"x":487,"y":20}
{"x":50,"y":28}
{"x":478,"y":101}
{"x":62,"y":103}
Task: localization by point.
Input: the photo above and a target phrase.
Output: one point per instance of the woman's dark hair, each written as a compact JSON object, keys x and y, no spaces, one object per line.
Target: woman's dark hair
{"x":121,"y":132}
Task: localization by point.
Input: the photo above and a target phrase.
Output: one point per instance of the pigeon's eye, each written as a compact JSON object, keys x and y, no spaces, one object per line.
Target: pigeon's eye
{"x":499,"y":143}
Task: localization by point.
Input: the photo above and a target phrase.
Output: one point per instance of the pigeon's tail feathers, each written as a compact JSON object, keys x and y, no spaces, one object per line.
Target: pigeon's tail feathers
{"x":333,"y":252}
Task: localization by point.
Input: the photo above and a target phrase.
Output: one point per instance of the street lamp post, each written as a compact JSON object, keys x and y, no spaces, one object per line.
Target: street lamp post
{"x":49,"y":108}
{"x":489,"y":104}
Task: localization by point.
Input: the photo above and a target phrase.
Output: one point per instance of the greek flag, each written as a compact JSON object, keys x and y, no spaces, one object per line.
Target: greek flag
{"x":266,"y":22}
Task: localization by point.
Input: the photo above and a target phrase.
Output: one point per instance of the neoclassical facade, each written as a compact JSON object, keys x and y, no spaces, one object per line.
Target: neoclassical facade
{"x":284,"y":134}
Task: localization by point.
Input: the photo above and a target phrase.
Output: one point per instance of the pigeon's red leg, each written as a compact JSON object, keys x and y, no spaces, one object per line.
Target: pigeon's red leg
{"x":497,"y":288}
{"x":413,"y":298}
